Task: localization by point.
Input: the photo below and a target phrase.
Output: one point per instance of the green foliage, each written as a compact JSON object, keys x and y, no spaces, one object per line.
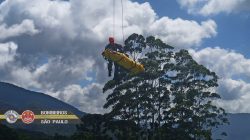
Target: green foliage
{"x":102,"y":127}
{"x":172,"y":99}
{"x":7,"y":133}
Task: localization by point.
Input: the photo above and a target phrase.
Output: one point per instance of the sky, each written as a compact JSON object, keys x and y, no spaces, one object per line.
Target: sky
{"x":54,"y":46}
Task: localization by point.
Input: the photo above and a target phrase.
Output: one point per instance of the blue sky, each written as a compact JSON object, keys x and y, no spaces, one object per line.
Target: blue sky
{"x":233,"y":29}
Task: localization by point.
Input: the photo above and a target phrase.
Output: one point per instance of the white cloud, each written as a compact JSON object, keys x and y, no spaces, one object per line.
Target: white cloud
{"x":57,"y":73}
{"x":24,"y":77}
{"x":231,"y":89}
{"x":233,"y":70}
{"x":212,"y":7}
{"x":26,"y":27}
{"x":226,"y":63}
{"x":7,"y":53}
{"x":50,"y":76}
{"x":89,"y":99}
{"x":236,"y":95}
{"x":183,"y":33}
{"x":142,"y":19}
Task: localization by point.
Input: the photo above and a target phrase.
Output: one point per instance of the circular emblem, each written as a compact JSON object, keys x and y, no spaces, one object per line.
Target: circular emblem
{"x":28,"y":116}
{"x":11,"y":116}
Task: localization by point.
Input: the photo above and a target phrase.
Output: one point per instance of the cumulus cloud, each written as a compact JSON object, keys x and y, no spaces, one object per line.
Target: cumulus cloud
{"x":7,"y":53}
{"x":212,"y":7}
{"x":239,"y":95}
{"x":90,"y":97}
{"x":183,"y":33}
{"x":56,"y":71}
{"x":26,"y":27}
{"x":234,"y":72}
{"x":60,"y":43}
{"x":233,"y":89}
{"x":142,"y":19}
{"x":226,"y":63}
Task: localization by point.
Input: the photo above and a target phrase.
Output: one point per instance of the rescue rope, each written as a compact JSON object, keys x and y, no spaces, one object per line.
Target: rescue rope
{"x":122,"y":8}
{"x":113,"y":18}
{"x":122,"y":21}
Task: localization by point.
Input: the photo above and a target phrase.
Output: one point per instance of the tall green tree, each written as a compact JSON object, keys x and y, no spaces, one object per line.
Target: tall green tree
{"x":172,"y":99}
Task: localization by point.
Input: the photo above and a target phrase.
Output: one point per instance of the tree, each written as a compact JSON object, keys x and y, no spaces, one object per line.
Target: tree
{"x":192,"y":89}
{"x":171,"y":99}
{"x":8,"y":133}
{"x":102,"y":127}
{"x":92,"y":128}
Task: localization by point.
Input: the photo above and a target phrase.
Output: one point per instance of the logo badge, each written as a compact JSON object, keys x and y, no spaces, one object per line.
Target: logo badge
{"x":28,"y":117}
{"x":11,"y":116}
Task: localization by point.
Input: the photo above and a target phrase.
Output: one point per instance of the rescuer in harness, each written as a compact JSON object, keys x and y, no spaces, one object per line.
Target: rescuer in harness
{"x":117,"y":48}
{"x":124,"y":65}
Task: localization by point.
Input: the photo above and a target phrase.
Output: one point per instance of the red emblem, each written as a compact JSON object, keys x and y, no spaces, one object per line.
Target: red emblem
{"x":28,"y":116}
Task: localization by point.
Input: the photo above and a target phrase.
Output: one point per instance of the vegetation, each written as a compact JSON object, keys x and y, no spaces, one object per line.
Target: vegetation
{"x":172,"y":99}
{"x":7,"y":133}
{"x":101,"y":127}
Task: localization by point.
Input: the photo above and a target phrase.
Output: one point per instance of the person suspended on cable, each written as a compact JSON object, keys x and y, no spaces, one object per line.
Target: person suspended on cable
{"x":115,"y":53}
{"x":117,"y":48}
